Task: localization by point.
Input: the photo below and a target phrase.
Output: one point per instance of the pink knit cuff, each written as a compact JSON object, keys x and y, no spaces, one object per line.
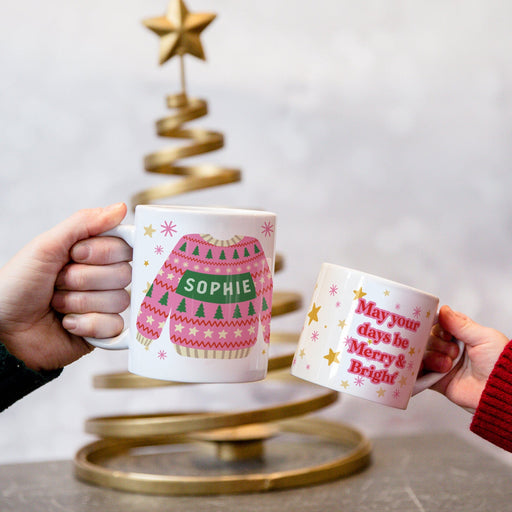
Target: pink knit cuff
{"x":493,"y":418}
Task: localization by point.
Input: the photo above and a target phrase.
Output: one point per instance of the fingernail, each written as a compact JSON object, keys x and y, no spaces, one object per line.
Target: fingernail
{"x":114,"y":206}
{"x":459,"y":315}
{"x":70,"y":322}
{"x":81,"y":252}
{"x":456,"y":313}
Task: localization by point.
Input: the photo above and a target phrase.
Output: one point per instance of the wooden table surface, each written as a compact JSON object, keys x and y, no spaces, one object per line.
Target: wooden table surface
{"x":428,"y":473}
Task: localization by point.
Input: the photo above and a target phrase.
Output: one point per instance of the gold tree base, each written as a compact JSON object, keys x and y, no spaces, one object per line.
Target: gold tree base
{"x":113,"y":462}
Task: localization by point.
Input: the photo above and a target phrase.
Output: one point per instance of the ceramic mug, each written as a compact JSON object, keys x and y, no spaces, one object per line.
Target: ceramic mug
{"x":366,"y":336}
{"x":201,"y":293}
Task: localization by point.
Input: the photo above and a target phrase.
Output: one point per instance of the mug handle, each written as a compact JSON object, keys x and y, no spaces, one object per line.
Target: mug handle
{"x":429,"y":379}
{"x":120,"y":342}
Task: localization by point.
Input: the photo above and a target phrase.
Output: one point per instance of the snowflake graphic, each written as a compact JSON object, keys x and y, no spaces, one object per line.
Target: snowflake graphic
{"x":397,"y":306}
{"x":162,"y":354}
{"x":338,"y":304}
{"x":348,"y":341}
{"x":396,"y":393}
{"x":314,"y":335}
{"x":168,"y":228}
{"x":159,"y":249}
{"x":333,"y":290}
{"x":417,"y":312}
{"x":267,"y":229}
{"x":358,"y":381}
{"x":410,"y":365}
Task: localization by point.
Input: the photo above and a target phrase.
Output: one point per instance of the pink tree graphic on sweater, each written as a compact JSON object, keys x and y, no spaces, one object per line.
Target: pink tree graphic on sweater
{"x":217,"y":295}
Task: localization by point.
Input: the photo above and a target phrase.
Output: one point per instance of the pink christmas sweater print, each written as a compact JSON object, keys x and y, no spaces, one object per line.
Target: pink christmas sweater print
{"x":216,"y":293}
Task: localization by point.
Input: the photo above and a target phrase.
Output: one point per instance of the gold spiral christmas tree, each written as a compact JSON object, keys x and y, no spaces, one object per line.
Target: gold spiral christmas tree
{"x":179,"y":32}
{"x":233,"y":436}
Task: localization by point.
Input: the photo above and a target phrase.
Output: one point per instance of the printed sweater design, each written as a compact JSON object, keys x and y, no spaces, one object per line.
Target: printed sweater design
{"x":216,"y":293}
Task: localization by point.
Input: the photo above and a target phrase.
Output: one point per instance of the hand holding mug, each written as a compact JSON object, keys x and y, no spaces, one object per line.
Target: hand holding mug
{"x":365,"y":336}
{"x":201,"y":293}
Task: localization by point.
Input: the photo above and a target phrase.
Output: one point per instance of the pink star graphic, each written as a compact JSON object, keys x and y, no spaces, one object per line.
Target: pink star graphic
{"x":162,"y":354}
{"x":159,"y":249}
{"x":168,"y":228}
{"x":333,"y":290}
{"x":267,"y":229}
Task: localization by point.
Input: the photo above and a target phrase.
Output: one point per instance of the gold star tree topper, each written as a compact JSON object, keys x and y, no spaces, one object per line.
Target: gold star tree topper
{"x":179,"y":31}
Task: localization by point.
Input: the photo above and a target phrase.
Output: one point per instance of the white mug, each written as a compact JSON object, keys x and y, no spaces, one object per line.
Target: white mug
{"x":366,"y":336}
{"x":201,"y":293}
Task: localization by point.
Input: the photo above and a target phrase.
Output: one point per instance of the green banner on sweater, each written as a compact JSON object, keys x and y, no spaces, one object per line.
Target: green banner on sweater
{"x":219,"y":289}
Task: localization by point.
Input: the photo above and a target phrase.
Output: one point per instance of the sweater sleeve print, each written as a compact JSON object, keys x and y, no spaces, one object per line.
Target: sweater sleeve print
{"x":217,"y":293}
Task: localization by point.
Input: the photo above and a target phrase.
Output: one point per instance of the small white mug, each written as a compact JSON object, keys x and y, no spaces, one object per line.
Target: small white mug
{"x":201,"y":293}
{"x":366,"y":336}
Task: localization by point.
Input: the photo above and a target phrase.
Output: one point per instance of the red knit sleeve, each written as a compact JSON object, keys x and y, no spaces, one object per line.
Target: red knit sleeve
{"x":493,"y":417}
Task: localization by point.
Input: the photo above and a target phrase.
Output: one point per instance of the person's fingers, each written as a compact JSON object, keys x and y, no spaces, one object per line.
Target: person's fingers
{"x":461,"y":326}
{"x":101,"y":251}
{"x":448,"y":348}
{"x":52,"y":247}
{"x":77,"y":276}
{"x":438,"y":331}
{"x":94,"y":325}
{"x":112,"y":301}
{"x":434,"y":361}
{"x":90,"y":222}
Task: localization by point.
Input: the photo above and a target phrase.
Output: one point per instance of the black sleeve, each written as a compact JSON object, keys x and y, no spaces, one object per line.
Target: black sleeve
{"x":16,"y":380}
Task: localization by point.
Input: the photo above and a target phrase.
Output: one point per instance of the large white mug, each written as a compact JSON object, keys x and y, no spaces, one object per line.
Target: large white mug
{"x":365,"y":335}
{"x":201,"y":293}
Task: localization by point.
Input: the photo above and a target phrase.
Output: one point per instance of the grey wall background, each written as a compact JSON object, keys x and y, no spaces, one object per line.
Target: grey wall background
{"x":378,"y":131}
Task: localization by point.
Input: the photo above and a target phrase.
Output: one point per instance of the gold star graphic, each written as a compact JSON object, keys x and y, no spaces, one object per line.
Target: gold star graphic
{"x":386,"y":293}
{"x":412,"y":351}
{"x":302,"y":353}
{"x":148,"y":231}
{"x":313,"y":314}
{"x":179,"y":31}
{"x":344,"y":384}
{"x":359,"y":294}
{"x":381,"y":392}
{"x":403,"y":381}
{"x":341,"y":323}
{"x":148,"y":286}
{"x":428,"y":314}
{"x":146,"y":263}
{"x":332,"y":357}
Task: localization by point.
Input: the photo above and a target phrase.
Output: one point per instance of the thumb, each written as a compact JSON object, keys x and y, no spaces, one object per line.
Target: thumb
{"x":460,"y":326}
{"x":56,"y":243}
